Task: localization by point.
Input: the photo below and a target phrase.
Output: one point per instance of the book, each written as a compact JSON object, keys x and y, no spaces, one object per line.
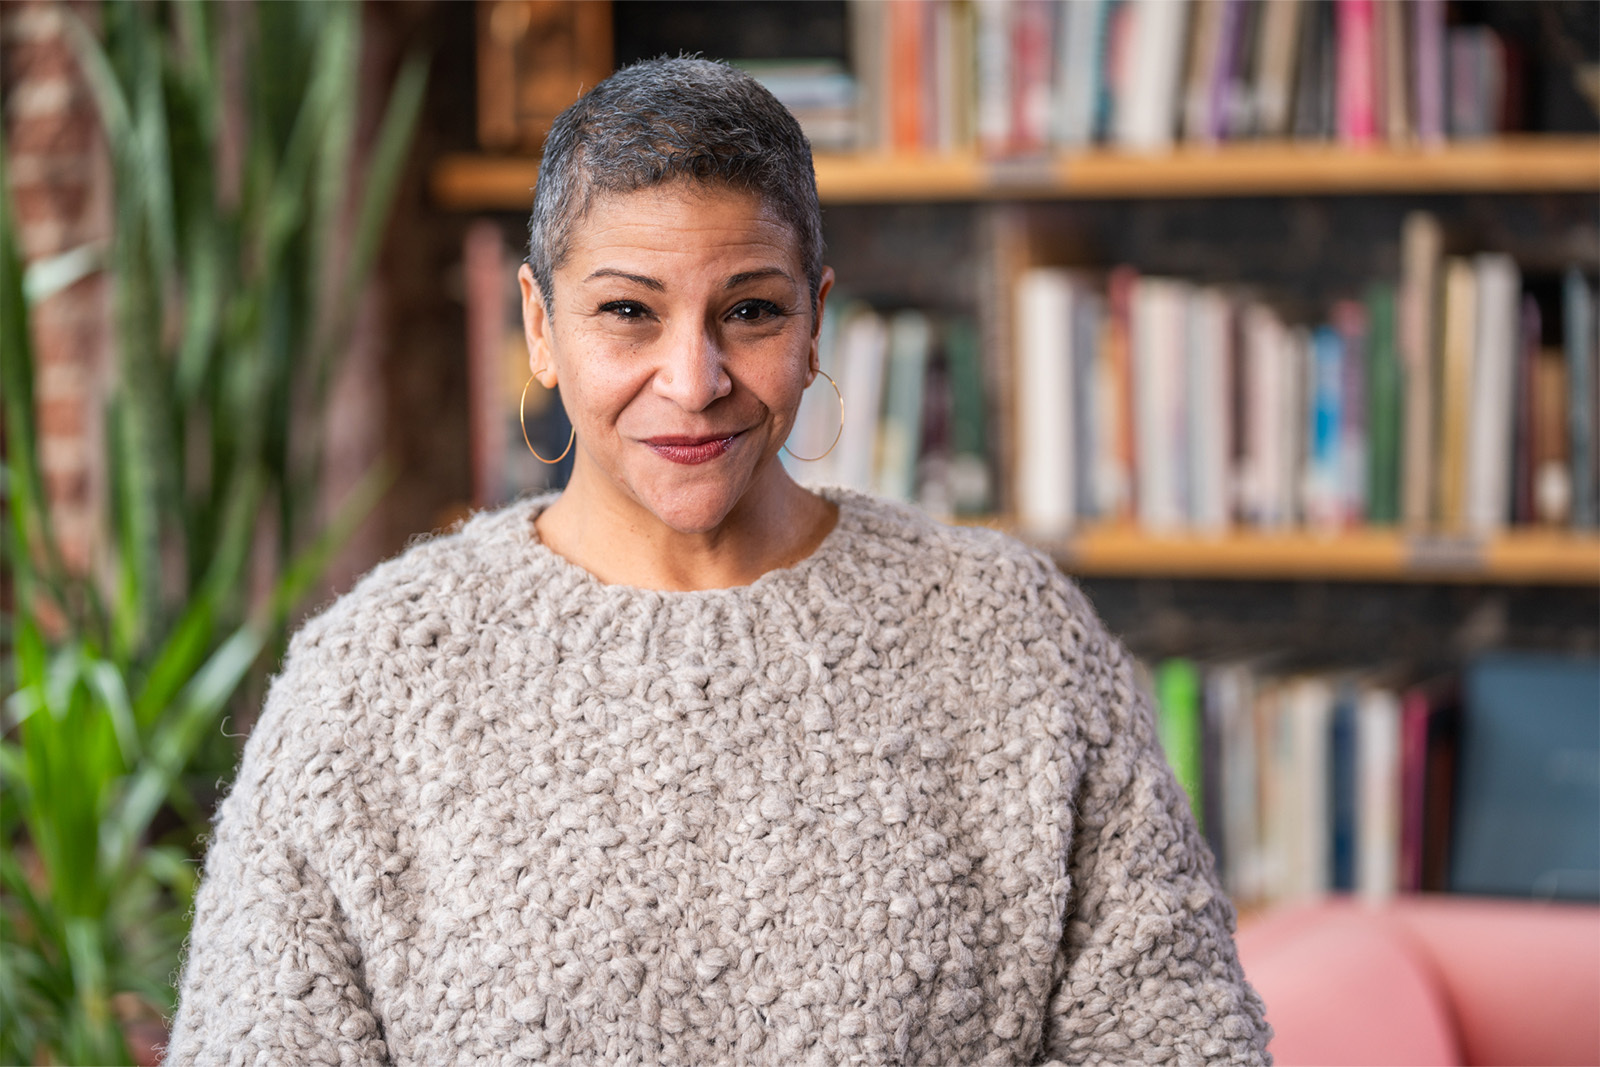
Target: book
{"x":1147,"y":89}
{"x":1115,"y":427}
{"x":971,"y":483}
{"x":994,"y":111}
{"x":1045,"y":464}
{"x":1488,"y":474}
{"x":1455,"y":390}
{"x":1350,"y":319}
{"x":1307,"y":714}
{"x":1428,"y":69}
{"x":1211,"y":417}
{"x":1158,"y":315}
{"x":905,"y":29}
{"x":1177,"y":687}
{"x":1080,"y":52}
{"x":1343,"y":799}
{"x":1202,"y":64}
{"x":1378,"y":724}
{"x":1527,"y":820}
{"x":1421,"y":249}
{"x":863,"y":353}
{"x":1314,"y":101}
{"x":1325,"y":467}
{"x":1578,"y":313}
{"x":1552,"y":473}
{"x":1031,"y":62}
{"x":1394,"y":61}
{"x":1384,"y":393}
{"x":900,"y":430}
{"x":1275,"y":65}
{"x":868,"y":36}
{"x":1356,"y":74}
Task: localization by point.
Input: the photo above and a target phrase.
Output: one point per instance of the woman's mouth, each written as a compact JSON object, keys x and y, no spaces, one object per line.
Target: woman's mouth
{"x":691,"y":450}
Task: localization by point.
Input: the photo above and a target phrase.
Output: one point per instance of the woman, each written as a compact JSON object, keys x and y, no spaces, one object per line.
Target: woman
{"x":688,"y":764}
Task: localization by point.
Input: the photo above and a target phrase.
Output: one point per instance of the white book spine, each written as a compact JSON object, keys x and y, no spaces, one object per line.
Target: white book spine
{"x":1146,"y":114}
{"x":1210,"y":401}
{"x":1488,"y":488}
{"x":1311,"y":709}
{"x":1378,"y":828}
{"x":1077,"y":42}
{"x":1158,"y":391}
{"x":1045,"y":492}
{"x":863,"y":346}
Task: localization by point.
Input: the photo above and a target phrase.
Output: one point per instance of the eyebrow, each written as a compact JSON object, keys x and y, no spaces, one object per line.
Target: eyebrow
{"x":754,"y":275}
{"x":641,"y":279}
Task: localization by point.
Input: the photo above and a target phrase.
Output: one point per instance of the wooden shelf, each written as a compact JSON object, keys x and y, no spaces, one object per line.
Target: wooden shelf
{"x":1524,"y":557}
{"x":1528,"y":163}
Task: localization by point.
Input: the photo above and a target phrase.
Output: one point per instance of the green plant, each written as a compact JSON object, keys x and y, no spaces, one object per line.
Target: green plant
{"x":238,"y":258}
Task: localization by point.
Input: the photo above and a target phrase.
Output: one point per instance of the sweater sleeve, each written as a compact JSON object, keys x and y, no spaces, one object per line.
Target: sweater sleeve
{"x":272,"y":974}
{"x":1148,"y":971}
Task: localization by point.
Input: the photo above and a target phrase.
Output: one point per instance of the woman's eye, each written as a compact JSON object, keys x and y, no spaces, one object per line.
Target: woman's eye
{"x":755,"y":311}
{"x":627,"y":310}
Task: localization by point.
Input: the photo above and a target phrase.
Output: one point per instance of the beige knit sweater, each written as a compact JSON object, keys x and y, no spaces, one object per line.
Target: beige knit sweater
{"x":900,"y":803}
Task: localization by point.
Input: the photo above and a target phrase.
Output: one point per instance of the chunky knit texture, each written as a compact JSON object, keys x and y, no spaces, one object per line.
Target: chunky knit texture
{"x":898,"y":803}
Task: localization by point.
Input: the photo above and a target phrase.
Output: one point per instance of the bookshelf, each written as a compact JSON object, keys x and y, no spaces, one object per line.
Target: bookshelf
{"x":1533,"y":557}
{"x":1302,"y":614}
{"x":1519,"y":164}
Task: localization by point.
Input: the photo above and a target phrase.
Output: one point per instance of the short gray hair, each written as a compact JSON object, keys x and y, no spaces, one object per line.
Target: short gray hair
{"x":667,"y":119}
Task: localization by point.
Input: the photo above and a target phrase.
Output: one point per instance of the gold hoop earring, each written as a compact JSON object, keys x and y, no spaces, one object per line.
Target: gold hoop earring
{"x":522,"y":420}
{"x":813,"y":459}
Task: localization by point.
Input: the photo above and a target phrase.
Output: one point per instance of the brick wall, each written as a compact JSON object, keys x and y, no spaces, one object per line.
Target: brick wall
{"x":60,"y":187}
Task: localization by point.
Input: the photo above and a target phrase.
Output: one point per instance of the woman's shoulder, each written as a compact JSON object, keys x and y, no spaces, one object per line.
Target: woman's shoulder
{"x":978,"y":560}
{"x":456,"y":572}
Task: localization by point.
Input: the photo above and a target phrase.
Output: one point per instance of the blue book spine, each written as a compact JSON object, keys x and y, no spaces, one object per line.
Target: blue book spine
{"x":1325,"y":467}
{"x":1342,"y":795}
{"x":1578,"y":311}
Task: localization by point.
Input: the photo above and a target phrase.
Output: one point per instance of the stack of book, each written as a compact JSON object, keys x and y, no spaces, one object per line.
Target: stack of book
{"x":1025,"y":76}
{"x":820,"y":93}
{"x":1460,"y":400}
{"x":1308,"y":782}
{"x":914,"y":422}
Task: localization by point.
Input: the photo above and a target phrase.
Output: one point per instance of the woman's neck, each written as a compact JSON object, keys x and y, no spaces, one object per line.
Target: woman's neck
{"x":776,"y":524}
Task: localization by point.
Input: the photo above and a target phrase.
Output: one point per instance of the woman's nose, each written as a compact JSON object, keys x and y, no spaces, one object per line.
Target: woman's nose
{"x":691,"y":373}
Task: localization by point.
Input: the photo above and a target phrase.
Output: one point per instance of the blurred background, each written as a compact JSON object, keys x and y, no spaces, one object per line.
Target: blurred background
{"x":1274,"y":321}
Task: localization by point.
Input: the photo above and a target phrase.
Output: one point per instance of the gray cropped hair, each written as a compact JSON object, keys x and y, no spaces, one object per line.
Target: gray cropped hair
{"x":667,"y":119}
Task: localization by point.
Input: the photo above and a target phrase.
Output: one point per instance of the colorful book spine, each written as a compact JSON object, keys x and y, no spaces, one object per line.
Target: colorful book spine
{"x":1356,"y":85}
{"x":1177,"y":683}
{"x":1578,"y":313}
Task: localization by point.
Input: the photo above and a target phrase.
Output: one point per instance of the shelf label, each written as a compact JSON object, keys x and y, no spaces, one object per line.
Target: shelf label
{"x":1022,"y":172}
{"x":1438,"y":554}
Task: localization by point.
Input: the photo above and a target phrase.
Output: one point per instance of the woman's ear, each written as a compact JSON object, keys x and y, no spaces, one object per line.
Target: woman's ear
{"x":536,"y":329}
{"x":816,"y":322}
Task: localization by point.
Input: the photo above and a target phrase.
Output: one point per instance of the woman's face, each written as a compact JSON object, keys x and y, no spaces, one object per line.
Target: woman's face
{"x":682,"y":336}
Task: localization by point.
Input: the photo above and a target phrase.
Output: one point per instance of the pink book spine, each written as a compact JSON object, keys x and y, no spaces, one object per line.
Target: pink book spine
{"x":1357,"y":72}
{"x":1413,"y":784}
{"x":1428,"y":66}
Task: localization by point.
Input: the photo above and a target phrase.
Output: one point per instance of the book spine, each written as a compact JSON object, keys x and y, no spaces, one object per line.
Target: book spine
{"x":1356,"y":81}
{"x":1492,"y":397}
{"x":1178,"y":719}
{"x":1378,"y":762}
{"x":1045,"y":493}
{"x":1578,"y":314}
{"x":1421,"y":245}
{"x":1428,"y":69}
{"x":1324,"y":496}
{"x":1384,"y":386}
{"x":1275,"y":65}
{"x":1460,"y":320}
{"x":1343,"y":798}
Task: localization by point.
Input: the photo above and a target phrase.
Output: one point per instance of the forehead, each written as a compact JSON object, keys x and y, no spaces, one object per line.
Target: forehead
{"x":681,"y":219}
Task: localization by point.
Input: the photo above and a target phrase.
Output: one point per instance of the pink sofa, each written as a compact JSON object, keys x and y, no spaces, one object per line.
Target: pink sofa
{"x":1428,"y":980}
